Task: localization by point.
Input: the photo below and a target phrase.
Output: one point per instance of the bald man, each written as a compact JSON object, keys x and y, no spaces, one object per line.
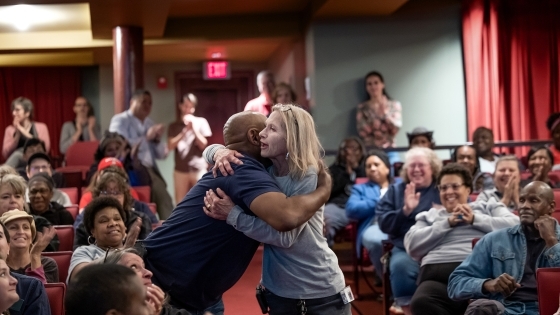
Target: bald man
{"x":263,"y":103}
{"x":196,"y":258}
{"x":500,"y":272}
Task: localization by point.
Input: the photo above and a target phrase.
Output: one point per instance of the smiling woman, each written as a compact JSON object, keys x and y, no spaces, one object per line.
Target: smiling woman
{"x":41,"y":188}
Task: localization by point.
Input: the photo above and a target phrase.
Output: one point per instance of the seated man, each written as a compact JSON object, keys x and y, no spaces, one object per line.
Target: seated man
{"x":501,"y":271}
{"x":41,"y":163}
{"x":421,"y":137}
{"x":33,"y":297}
{"x":483,"y":142}
{"x":196,"y":258}
{"x":31,"y":147}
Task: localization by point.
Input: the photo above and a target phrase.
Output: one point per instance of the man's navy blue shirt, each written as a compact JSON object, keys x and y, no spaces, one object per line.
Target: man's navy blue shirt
{"x":195,"y":258}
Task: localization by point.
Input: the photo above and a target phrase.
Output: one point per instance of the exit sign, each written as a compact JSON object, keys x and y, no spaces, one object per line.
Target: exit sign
{"x":216,"y":70}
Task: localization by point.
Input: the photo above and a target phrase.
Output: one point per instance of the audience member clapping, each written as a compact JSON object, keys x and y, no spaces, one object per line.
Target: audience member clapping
{"x":539,"y":160}
{"x":104,"y":223}
{"x":421,"y":137}
{"x":483,"y":142}
{"x":466,"y":156}
{"x":41,"y":190}
{"x":27,"y":245}
{"x":362,"y":203}
{"x":553,"y":125}
{"x":348,"y":166}
{"x":441,"y":238}
{"x":41,"y":163}
{"x":107,"y":289}
{"x":506,"y":183}
{"x":82,"y":128}
{"x":397,"y":210}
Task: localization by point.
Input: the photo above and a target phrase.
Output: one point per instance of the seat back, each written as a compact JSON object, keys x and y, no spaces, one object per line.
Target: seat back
{"x":557,"y":198}
{"x":548,"y":289}
{"x":474,"y":241}
{"x":144,"y":193}
{"x":72,"y":193}
{"x":153,"y":207}
{"x":56,"y":293}
{"x":81,"y":153}
{"x":66,"y":237}
{"x":74,"y":210}
{"x":73,"y":175}
{"x":62,"y":259}
{"x":361,"y":180}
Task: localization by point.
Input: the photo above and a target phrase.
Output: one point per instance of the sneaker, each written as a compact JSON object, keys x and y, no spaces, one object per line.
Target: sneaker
{"x":395,"y":309}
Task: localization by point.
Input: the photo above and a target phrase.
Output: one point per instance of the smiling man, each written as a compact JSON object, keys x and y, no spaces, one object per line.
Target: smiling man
{"x":501,"y":271}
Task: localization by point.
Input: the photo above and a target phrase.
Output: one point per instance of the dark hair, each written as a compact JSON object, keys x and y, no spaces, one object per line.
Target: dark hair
{"x":477,"y":162}
{"x":99,"y":288}
{"x":139,"y":94}
{"x":31,"y":142}
{"x":376,"y":74}
{"x":98,"y":204}
{"x":384,"y":158}
{"x":108,"y":137}
{"x":90,"y":111}
{"x":339,"y":159}
{"x":26,"y":104}
{"x":42,"y":177}
{"x":110,"y":169}
{"x":537,"y":148}
{"x":551,"y":119}
{"x":286,"y":86}
{"x":457,"y":169}
{"x":6,"y":233}
{"x":482,"y":129}
{"x":114,"y":176}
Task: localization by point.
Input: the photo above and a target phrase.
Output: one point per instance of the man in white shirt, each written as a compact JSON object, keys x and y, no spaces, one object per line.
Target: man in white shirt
{"x":145,"y":138}
{"x":483,"y":142}
{"x":263,"y":103}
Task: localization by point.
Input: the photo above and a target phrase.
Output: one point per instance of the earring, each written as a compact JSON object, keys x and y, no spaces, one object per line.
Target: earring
{"x":89,"y":240}
{"x":287,"y":155}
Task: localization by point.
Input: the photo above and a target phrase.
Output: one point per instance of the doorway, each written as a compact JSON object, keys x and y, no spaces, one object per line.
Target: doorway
{"x":217,"y":99}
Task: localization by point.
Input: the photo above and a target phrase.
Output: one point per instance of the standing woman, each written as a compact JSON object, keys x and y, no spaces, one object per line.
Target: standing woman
{"x":22,"y":128}
{"x":82,"y":128}
{"x":379,"y":119}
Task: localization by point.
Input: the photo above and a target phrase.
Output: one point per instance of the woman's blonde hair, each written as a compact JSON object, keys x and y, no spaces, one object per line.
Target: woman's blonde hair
{"x":18,"y":184}
{"x":434,"y":161}
{"x":304,"y":148}
{"x":7,"y":169}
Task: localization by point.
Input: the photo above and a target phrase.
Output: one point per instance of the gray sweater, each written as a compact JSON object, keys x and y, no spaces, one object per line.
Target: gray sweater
{"x":297,"y":264}
{"x":69,"y":129}
{"x":432,"y":241}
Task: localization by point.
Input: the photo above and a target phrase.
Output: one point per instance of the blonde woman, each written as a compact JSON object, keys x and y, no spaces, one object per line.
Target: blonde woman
{"x":300,"y":271}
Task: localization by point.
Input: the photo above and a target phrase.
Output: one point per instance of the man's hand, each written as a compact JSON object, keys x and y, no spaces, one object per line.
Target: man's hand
{"x":132,"y":235}
{"x":155,"y":132}
{"x":411,"y":199}
{"x":547,"y":229}
{"x":222,"y":160}
{"x":217,"y":207}
{"x":504,"y":284}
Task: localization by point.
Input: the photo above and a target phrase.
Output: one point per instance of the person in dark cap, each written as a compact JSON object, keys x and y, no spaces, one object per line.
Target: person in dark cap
{"x":553,"y":125}
{"x":40,"y":192}
{"x":41,"y":163}
{"x":361,"y":207}
{"x":421,"y":137}
{"x":31,"y":147}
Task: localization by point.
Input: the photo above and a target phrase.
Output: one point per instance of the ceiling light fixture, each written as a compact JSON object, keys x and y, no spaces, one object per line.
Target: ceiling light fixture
{"x":23,"y":16}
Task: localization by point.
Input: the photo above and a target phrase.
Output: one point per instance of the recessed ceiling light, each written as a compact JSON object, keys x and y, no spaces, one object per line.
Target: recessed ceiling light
{"x":216,"y":55}
{"x":23,"y":16}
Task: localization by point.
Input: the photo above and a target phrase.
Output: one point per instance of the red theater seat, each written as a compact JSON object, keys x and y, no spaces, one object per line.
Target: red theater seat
{"x":143,"y":193}
{"x":56,"y":293}
{"x":81,"y":153}
{"x":548,"y":289}
{"x":66,"y":236}
{"x":73,"y":209}
{"x":62,"y":259}
{"x":72,"y":193}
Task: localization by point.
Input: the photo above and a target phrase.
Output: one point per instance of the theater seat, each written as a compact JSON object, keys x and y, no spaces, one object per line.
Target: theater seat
{"x":474,"y":241}
{"x":81,"y":153}
{"x":72,"y":193}
{"x":144,"y":193}
{"x":73,"y":209}
{"x":56,"y":293}
{"x":62,"y":259}
{"x":66,"y":236}
{"x":361,"y":180}
{"x":557,"y":198}
{"x":548,"y":289}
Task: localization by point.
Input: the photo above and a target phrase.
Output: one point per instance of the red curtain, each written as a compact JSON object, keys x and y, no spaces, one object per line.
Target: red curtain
{"x":511,"y":54}
{"x":52,"y":91}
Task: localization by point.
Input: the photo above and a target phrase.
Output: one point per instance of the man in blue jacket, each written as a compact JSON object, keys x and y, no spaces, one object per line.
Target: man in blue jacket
{"x":501,"y":271}
{"x":32,"y":294}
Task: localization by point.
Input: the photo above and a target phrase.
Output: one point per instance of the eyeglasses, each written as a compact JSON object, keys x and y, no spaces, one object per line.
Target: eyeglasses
{"x":41,"y":191}
{"x":40,"y":168}
{"x":454,"y":187}
{"x":110,"y":193}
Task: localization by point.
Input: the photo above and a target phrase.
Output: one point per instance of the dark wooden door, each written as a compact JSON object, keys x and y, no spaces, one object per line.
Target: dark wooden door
{"x":217,"y":100}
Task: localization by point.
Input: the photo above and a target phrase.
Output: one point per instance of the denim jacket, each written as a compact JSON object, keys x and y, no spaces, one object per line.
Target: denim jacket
{"x":502,"y":251}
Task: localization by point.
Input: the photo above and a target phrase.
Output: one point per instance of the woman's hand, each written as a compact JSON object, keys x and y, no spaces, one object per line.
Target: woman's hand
{"x":132,"y":235}
{"x":42,"y":240}
{"x":511,"y":191}
{"x":217,"y":207}
{"x":466,"y":212}
{"x":222,"y":159}
{"x":155,"y":297}
{"x":91,"y":122}
{"x":411,"y":199}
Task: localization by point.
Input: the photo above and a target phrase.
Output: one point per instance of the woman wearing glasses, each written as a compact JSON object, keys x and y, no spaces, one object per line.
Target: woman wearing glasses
{"x":300,"y":272}
{"x":41,"y":190}
{"x":113,"y":185}
{"x":442,"y":238}
{"x":104,"y":221}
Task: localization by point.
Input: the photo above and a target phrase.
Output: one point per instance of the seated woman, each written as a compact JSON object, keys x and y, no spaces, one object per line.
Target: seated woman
{"x":131,"y":258}
{"x":283,"y":94}
{"x":466,"y":156}
{"x":104,"y":222}
{"x":506,"y":183}
{"x":112,"y":165}
{"x":362,"y":203}
{"x":396,"y":212}
{"x":114,"y":186}
{"x":26,"y":246}
{"x":553,"y":126}
{"x":297,"y":264}
{"x":442,"y":238}
{"x":82,"y":128}
{"x":115,"y":146}
{"x":539,"y":160}
{"x":22,"y":128}
{"x":41,"y":187}
{"x":8,"y":294}
{"x":348,"y":166}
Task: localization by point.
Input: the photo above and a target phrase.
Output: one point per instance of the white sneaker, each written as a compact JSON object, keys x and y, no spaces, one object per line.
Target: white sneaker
{"x":395,"y":309}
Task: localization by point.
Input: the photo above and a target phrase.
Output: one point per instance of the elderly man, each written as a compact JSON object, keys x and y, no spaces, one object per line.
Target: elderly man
{"x":500,"y":272}
{"x":145,"y":137}
{"x":41,"y":163}
{"x":263,"y":103}
{"x":196,"y":258}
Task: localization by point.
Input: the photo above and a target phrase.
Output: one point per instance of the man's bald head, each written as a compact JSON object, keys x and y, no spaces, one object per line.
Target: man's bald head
{"x":540,"y":188}
{"x":535,"y":200}
{"x":241,"y":131}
